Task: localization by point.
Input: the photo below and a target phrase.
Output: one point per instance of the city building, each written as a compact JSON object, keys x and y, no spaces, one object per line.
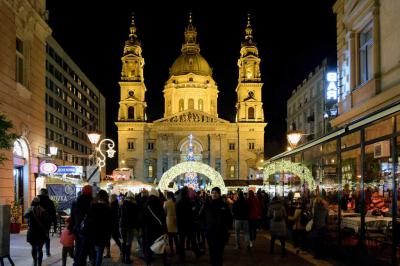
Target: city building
{"x":356,"y":165}
{"x":190,"y":102}
{"x":309,"y":109}
{"x":74,"y":106}
{"x":23,"y":34}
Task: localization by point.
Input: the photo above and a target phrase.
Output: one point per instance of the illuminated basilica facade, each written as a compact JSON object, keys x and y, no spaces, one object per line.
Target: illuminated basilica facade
{"x":190,"y":99}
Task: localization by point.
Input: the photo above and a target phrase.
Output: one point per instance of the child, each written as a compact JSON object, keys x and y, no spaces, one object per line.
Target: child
{"x":67,"y":240}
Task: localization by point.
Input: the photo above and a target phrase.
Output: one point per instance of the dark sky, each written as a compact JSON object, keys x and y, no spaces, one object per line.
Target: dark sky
{"x":292,"y":36}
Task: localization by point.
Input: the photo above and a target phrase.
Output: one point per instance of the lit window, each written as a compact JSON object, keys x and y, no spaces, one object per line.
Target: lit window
{"x":150,"y":169}
{"x":181,"y":105}
{"x":232,"y":171}
{"x":365,"y":53}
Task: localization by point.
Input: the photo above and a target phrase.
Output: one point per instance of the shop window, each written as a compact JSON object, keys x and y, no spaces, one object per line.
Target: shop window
{"x":379,"y":129}
{"x":350,"y":140}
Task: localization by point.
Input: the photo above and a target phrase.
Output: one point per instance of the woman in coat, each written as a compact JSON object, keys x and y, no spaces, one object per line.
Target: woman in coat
{"x":277,"y":215}
{"x":170,"y":211}
{"x":38,"y":222}
{"x":299,"y":230}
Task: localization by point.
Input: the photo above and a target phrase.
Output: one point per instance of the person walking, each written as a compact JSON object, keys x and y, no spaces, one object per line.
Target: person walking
{"x":47,"y":204}
{"x":129,"y":223}
{"x":277,"y":215}
{"x":99,"y":225}
{"x":217,"y":218}
{"x":115,"y":233}
{"x":170,"y":211}
{"x":299,"y":225}
{"x":240,"y":211}
{"x":185,"y":222}
{"x":154,"y":224}
{"x":37,"y":235}
{"x":320,"y":217}
{"x":79,"y":212}
{"x":254,"y":215}
{"x":67,"y":241}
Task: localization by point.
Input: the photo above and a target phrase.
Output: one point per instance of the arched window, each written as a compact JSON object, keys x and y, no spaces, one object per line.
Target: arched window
{"x":181,"y":105}
{"x":131,"y":112}
{"x":191,"y":104}
{"x":250,"y":113}
{"x":150,"y":169}
{"x":200,"y":104}
{"x":232,"y":171}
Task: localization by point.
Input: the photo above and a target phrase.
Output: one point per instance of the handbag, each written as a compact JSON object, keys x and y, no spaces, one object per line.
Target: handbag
{"x":159,"y":245}
{"x":309,"y":225}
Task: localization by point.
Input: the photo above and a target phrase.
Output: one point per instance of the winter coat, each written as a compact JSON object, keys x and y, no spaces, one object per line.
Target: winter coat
{"x":79,"y":211}
{"x":98,"y":223}
{"x":170,"y":211}
{"x":114,"y":207}
{"x":152,"y":226}
{"x":185,"y":215}
{"x":216,"y":218}
{"x":320,"y":213}
{"x":296,"y":218}
{"x":240,"y":209}
{"x":38,"y":224}
{"x":255,"y":208}
{"x":47,"y":204}
{"x":129,"y":215}
{"x":277,"y":228}
{"x":67,"y":238}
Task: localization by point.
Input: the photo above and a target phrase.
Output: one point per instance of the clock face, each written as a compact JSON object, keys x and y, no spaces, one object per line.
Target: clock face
{"x":131,"y":93}
{"x":251,"y":94}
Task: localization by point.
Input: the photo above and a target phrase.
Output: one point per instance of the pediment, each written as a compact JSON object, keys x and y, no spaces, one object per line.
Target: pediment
{"x":191,"y":116}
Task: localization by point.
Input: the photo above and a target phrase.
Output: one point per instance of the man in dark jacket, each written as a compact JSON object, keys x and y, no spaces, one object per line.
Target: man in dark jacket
{"x":217,"y":218}
{"x":47,"y":204}
{"x":79,"y":212}
{"x":129,"y":224}
{"x":185,"y":221}
{"x":240,"y":211}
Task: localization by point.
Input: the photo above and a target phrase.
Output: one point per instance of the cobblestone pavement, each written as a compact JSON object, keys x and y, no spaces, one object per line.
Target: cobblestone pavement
{"x":258,"y":255}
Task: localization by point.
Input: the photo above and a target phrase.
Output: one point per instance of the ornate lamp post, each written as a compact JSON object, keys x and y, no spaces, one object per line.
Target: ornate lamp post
{"x":94,"y":138}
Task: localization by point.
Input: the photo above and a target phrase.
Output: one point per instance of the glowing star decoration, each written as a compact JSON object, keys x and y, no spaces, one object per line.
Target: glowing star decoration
{"x":197,"y":167}
{"x":287,"y":166}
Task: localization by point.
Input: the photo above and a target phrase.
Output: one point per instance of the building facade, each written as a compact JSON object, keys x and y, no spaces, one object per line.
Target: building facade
{"x":309,"y":109}
{"x":23,"y":34}
{"x":368,"y":57}
{"x":190,"y":102}
{"x":74,"y":106}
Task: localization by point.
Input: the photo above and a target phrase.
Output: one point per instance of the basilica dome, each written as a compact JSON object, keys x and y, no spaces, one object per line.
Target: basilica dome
{"x":190,"y":63}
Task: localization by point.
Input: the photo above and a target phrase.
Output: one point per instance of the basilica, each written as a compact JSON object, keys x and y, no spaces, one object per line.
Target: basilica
{"x":234,"y":149}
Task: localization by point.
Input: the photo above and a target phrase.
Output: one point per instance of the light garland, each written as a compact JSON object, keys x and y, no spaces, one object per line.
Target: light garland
{"x":197,"y":167}
{"x":287,"y":166}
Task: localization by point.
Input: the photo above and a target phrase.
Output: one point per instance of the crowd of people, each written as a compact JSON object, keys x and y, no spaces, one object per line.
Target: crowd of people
{"x":192,"y":220}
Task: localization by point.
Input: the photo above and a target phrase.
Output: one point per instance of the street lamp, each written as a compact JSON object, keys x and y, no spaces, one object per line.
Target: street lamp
{"x":294,"y":137}
{"x":53,"y":150}
{"x":94,"y":137}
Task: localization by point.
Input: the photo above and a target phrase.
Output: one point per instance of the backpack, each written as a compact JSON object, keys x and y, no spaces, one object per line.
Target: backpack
{"x":305,"y":217}
{"x":277,"y":215}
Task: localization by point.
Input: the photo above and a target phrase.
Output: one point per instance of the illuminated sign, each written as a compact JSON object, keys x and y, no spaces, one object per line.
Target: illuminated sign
{"x":331,"y":90}
{"x":48,"y":168}
{"x":70,"y":170}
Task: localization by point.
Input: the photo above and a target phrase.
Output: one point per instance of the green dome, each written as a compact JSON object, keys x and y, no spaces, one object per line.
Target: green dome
{"x":190,"y":63}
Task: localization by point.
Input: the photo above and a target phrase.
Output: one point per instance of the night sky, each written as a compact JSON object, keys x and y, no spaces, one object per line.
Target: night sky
{"x":292,"y":37}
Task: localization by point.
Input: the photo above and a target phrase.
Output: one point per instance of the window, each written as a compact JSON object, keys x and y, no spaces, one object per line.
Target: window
{"x":150,"y":170}
{"x":232,"y":171}
{"x":251,"y":145}
{"x":131,"y":112}
{"x":200,"y":104}
{"x":191,"y":104}
{"x":131,"y":144}
{"x":181,"y":105}
{"x":150,"y":145}
{"x":231,"y":146}
{"x":250,"y":113}
{"x":365,"y":54}
{"x":19,"y":66}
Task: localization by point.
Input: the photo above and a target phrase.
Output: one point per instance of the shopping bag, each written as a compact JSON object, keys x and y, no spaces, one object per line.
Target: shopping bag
{"x":160,"y":244}
{"x":309,"y":226}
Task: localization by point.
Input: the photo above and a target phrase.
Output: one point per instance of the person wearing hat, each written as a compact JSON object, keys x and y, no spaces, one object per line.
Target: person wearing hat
{"x":216,"y":217}
{"x":129,"y":224}
{"x":38,"y":222}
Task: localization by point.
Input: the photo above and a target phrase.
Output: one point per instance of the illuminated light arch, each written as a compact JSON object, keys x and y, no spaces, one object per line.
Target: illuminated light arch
{"x":287,"y":166}
{"x":198,"y":167}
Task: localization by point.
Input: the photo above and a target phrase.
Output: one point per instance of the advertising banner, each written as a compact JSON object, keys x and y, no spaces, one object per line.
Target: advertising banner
{"x":62,"y":194}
